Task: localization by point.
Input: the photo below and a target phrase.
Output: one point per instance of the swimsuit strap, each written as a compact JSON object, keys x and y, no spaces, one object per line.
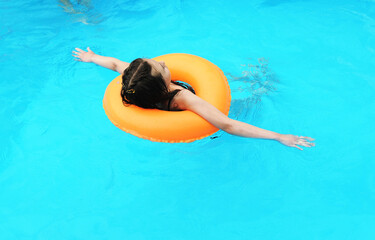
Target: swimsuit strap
{"x":169,"y":103}
{"x":184,"y":85}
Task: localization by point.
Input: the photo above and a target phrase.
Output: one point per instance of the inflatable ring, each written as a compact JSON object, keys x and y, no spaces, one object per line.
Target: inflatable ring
{"x":209,"y":84}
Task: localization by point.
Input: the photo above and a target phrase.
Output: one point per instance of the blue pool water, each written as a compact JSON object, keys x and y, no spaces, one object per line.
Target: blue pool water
{"x":298,"y":67}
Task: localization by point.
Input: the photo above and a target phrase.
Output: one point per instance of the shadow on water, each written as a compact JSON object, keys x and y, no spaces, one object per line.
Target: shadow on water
{"x":91,"y":12}
{"x":256,"y":81}
{"x":82,"y":11}
{"x":248,"y":89}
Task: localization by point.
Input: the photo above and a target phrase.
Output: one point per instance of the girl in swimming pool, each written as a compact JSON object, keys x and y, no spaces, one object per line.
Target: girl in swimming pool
{"x":147,"y":84}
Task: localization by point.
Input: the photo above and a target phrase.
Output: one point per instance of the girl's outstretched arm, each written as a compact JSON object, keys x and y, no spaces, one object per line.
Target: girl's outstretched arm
{"x":107,"y":62}
{"x":185,"y":100}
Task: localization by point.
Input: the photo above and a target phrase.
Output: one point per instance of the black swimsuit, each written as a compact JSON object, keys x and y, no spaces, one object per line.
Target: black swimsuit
{"x":181,"y":84}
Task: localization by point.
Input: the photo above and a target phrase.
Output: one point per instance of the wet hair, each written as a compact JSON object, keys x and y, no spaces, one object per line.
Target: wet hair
{"x":141,"y":88}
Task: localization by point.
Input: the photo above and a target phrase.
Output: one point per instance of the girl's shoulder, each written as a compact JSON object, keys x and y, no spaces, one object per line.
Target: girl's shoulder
{"x":176,"y":102}
{"x":179,"y":101}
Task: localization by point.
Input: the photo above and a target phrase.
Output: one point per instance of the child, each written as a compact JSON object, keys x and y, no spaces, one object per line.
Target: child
{"x":147,"y":83}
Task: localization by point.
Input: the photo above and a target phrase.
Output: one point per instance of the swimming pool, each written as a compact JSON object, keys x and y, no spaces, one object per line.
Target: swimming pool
{"x":298,"y":67}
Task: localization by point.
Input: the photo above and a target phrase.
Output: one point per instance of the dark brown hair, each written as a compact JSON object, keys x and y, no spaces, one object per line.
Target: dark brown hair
{"x":141,"y":88}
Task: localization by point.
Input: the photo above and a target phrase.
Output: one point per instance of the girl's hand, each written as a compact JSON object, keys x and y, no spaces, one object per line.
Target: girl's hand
{"x":83,"y":56}
{"x":293,"y":141}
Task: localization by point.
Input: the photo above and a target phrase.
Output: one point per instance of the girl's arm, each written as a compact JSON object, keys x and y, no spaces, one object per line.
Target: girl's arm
{"x":107,"y":62}
{"x":185,"y":100}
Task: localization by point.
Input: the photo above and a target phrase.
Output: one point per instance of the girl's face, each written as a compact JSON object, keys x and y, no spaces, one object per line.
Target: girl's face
{"x":160,"y":67}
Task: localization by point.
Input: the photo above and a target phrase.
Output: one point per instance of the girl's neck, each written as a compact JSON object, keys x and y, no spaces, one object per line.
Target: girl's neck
{"x":171,"y":87}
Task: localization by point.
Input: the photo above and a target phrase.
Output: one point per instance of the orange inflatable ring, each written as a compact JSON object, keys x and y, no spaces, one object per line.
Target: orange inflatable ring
{"x":209,"y":84}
